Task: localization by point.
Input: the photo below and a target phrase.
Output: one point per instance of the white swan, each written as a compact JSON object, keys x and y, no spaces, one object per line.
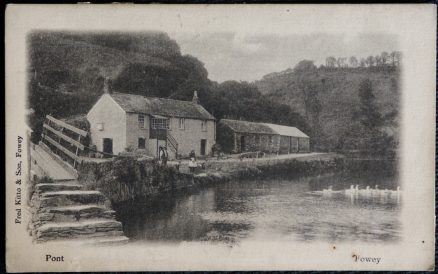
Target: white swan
{"x":395,"y":192}
{"x":350,"y":191}
{"x":375,"y":190}
{"x":327,"y":191}
{"x":366,"y":191}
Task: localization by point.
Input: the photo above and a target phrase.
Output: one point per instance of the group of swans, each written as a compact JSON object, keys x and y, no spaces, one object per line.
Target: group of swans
{"x":368,"y":191}
{"x":354,"y":190}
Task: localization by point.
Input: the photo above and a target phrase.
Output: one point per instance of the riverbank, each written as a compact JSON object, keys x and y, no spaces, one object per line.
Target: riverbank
{"x":126,"y":179}
{"x":262,"y":168}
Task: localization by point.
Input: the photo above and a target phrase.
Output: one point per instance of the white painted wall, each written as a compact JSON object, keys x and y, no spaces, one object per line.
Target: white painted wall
{"x":190,"y":137}
{"x":124,"y":129}
{"x":113,"y":117}
{"x":133,"y":131}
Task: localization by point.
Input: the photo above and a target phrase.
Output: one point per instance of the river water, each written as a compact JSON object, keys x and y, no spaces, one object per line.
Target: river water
{"x":276,"y":209}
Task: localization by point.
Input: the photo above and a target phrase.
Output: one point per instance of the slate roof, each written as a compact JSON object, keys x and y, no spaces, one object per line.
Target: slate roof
{"x":160,"y":106}
{"x":248,"y":127}
{"x":287,"y":131}
{"x":262,"y":128}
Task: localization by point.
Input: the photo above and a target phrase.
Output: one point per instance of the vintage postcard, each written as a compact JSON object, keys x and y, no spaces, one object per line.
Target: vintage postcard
{"x":220,"y":137}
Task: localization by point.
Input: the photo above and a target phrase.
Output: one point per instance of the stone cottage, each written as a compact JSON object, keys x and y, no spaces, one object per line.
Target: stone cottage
{"x":121,"y":121}
{"x":237,"y":136}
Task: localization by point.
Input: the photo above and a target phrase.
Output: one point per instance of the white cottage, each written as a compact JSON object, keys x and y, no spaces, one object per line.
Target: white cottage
{"x":121,"y":121}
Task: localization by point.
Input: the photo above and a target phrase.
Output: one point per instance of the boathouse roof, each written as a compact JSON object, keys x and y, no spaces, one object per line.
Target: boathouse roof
{"x":262,"y":128}
{"x":247,"y":127}
{"x":287,"y":131}
{"x":161,"y":106}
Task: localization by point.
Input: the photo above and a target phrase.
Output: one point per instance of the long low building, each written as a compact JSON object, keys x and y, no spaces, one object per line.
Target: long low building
{"x":236,"y":136}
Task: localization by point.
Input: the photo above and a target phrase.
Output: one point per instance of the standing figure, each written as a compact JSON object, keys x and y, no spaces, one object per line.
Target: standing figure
{"x":192,"y":162}
{"x":164,"y":156}
{"x":192,"y":165}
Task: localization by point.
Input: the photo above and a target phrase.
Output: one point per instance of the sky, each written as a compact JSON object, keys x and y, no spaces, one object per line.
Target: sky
{"x":231,"y":56}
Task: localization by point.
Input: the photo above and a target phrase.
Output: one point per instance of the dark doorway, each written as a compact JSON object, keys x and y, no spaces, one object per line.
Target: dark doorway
{"x":108,"y":145}
{"x":141,"y":143}
{"x":242,"y":143}
{"x":203,"y":146}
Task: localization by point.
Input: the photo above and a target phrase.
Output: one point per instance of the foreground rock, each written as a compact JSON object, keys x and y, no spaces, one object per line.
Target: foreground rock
{"x":64,"y":211}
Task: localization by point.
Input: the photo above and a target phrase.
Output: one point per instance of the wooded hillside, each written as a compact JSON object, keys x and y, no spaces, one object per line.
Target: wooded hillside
{"x":67,"y":72}
{"x":334,"y":91}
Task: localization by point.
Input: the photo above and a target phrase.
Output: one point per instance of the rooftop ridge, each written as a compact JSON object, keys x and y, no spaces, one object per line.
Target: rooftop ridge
{"x":276,"y":128}
{"x":136,"y":103}
{"x":225,"y":119}
{"x":153,"y":97}
{"x":271,"y":124}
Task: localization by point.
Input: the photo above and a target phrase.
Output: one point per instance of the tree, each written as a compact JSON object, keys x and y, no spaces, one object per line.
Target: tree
{"x":378,"y":61}
{"x":368,"y":114}
{"x":341,"y":62}
{"x":392,"y":58}
{"x":305,"y":66}
{"x":353,"y":61}
{"x":397,"y":58}
{"x":242,"y":100}
{"x":384,"y":57}
{"x":366,"y":133}
{"x":362,"y":63}
{"x":330,"y":62}
{"x":370,"y":61}
{"x":309,"y":83}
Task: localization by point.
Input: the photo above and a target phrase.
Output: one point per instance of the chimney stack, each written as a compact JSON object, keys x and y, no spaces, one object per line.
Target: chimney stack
{"x":195,"y":97}
{"x":107,"y":86}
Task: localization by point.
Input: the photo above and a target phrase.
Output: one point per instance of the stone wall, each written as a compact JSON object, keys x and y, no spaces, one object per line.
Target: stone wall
{"x":303,"y":144}
{"x":129,"y":179}
{"x":257,"y":142}
{"x":219,"y":172}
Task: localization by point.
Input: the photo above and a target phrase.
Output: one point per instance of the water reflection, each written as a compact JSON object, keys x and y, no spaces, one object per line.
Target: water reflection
{"x":290,"y":210}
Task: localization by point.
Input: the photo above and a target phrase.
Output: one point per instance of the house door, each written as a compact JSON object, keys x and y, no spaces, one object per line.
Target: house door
{"x":203,"y":146}
{"x":242,"y":143}
{"x":108,"y":145}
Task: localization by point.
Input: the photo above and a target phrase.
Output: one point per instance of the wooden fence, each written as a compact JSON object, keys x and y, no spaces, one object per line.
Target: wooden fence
{"x":64,"y":140}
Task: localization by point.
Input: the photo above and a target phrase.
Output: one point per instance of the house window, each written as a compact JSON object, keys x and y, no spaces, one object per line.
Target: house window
{"x":160,"y":123}
{"x":141,"y":121}
{"x":100,"y":126}
{"x":204,"y":125}
{"x":141,"y":143}
{"x":181,"y":123}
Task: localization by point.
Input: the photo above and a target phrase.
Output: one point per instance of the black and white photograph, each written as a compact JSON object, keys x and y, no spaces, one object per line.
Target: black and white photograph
{"x":172,"y":136}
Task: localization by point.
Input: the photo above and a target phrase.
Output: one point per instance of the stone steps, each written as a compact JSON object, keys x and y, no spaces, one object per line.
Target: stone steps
{"x":73,"y":214}
{"x":64,"y":211}
{"x":57,"y":187}
{"x":79,"y":213}
{"x":72,"y":197}
{"x":82,"y":229}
